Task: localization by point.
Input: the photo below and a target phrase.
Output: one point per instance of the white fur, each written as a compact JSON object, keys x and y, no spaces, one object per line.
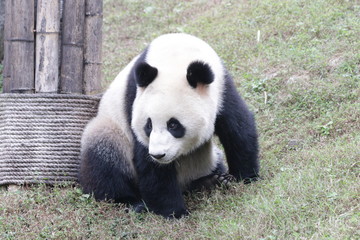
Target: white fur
{"x":111,"y":118}
{"x":197,"y":164}
{"x":170,"y":95}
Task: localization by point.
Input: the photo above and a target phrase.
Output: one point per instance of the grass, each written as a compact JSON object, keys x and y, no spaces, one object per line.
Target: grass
{"x":302,"y":80}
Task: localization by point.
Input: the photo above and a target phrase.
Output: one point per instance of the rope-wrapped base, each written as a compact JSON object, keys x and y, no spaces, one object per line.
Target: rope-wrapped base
{"x":40,"y":136}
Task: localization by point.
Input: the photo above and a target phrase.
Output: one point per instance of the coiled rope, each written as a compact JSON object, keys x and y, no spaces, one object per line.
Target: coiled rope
{"x":40,"y":136}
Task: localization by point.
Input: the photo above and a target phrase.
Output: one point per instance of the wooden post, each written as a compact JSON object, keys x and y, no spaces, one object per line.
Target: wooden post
{"x":2,"y":20}
{"x":93,"y":45}
{"x":72,"y":47}
{"x":22,"y":46}
{"x":7,"y":48}
{"x":47,"y":46}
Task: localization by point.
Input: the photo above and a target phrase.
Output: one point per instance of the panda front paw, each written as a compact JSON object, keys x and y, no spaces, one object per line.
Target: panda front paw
{"x":224,"y":179}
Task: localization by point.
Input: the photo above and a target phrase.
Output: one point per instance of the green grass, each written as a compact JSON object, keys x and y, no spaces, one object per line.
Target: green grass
{"x":302,"y":80}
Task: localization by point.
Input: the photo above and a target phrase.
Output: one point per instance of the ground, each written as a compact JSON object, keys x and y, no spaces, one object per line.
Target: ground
{"x":297,"y":64}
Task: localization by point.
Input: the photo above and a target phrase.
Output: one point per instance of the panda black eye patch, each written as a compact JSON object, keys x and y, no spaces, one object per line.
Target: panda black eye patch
{"x":175,"y":128}
{"x":148,"y":127}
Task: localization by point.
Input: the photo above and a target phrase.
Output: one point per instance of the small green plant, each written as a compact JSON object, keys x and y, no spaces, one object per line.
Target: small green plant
{"x":259,"y":86}
{"x":326,"y":128}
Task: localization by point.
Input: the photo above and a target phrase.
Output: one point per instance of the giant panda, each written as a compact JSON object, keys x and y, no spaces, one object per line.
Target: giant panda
{"x":152,"y":139}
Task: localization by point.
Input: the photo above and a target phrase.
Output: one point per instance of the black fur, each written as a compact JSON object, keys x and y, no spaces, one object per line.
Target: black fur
{"x":235,"y":127}
{"x":144,"y":74}
{"x":157,"y":183}
{"x":148,"y":127}
{"x":131,"y":86}
{"x":199,"y":72}
{"x":176,"y":128}
{"x":156,"y":187}
{"x":102,"y":174}
{"x":208,"y":182}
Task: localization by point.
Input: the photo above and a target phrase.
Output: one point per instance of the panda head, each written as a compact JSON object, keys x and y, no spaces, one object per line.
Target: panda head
{"x":174,"y":111}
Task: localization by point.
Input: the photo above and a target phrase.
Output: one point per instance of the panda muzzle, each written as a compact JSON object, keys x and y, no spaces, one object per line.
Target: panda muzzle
{"x":157,"y":156}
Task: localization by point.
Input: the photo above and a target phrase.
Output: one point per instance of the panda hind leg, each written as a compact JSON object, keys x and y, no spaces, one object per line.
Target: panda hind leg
{"x":105,"y":171}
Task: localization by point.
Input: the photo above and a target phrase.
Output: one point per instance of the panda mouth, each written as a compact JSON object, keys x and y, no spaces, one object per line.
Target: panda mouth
{"x":161,"y":159}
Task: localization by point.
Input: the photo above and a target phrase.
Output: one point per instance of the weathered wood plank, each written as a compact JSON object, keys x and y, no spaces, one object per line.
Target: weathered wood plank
{"x":71,"y":79}
{"x":72,"y":69}
{"x":2,"y":20}
{"x":47,"y":46}
{"x":22,"y":46}
{"x":7,"y":48}
{"x":93,"y":46}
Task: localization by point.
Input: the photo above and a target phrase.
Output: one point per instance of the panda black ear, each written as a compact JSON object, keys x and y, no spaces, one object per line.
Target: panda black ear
{"x":144,"y":74}
{"x":199,"y":72}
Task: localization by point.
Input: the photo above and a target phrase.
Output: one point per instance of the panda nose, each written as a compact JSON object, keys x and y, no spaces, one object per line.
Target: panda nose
{"x":157,"y":156}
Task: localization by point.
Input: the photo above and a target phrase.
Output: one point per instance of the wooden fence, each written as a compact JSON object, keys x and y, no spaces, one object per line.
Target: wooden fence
{"x":52,"y":46}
